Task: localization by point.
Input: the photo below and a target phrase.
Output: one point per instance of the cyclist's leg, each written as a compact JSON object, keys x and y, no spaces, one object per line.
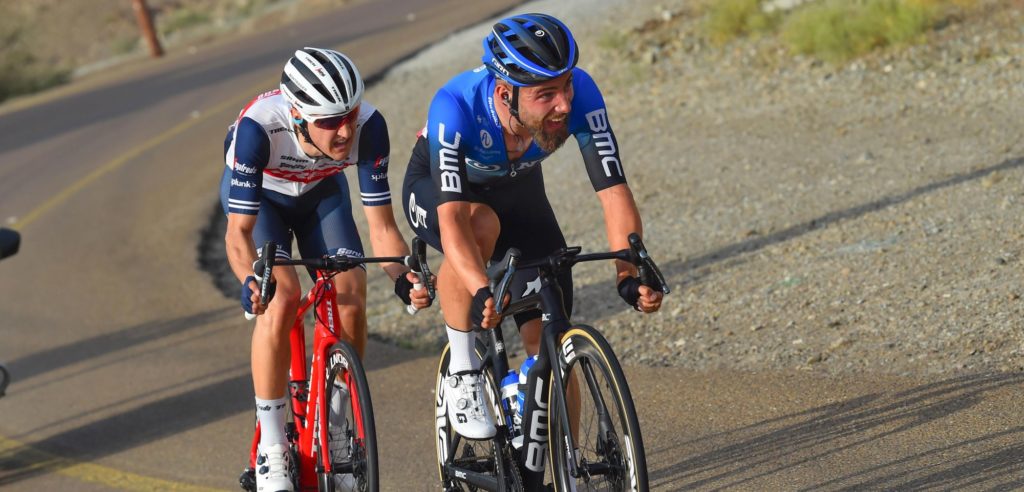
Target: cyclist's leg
{"x":420,"y":200}
{"x":465,"y":397}
{"x":271,"y":347}
{"x":330,"y":229}
{"x":270,"y":351}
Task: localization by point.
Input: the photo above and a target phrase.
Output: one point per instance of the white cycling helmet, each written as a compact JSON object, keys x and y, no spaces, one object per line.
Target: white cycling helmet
{"x":320,"y":83}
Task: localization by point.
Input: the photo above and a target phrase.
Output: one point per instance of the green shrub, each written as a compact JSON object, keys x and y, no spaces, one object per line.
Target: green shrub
{"x":838,"y":30}
{"x":728,"y":19}
{"x":21,"y":72}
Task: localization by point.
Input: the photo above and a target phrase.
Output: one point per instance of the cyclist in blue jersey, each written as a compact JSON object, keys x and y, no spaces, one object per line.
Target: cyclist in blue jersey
{"x":474,"y":187}
{"x":285,"y":155}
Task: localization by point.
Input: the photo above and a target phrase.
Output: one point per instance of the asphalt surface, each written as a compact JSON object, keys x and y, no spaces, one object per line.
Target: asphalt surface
{"x":131,"y":370}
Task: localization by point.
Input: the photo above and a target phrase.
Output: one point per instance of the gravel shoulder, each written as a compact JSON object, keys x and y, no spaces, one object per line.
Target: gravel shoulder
{"x":831,"y":219}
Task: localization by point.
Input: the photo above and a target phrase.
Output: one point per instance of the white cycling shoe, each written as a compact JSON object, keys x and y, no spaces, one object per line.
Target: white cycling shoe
{"x":273,"y":469}
{"x":468,"y":410}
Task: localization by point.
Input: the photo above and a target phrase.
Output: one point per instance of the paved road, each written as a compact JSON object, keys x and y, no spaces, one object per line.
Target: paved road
{"x":132,"y":370}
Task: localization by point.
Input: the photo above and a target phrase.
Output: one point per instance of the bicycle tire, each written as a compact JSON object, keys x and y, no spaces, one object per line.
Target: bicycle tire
{"x":492,"y":456}
{"x":344,"y":362}
{"x":616,"y":459}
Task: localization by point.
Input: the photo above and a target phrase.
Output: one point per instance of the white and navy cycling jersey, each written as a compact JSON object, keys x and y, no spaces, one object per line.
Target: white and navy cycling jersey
{"x":263,"y":153}
{"x":467,"y":146}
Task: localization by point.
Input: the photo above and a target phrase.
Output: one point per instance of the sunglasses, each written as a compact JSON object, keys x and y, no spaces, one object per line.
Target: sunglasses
{"x":335,"y":122}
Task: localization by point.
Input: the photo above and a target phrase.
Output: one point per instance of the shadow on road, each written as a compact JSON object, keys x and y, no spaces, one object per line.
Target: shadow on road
{"x":68,"y":354}
{"x":599,"y":300}
{"x":778,"y":450}
{"x":143,"y":425}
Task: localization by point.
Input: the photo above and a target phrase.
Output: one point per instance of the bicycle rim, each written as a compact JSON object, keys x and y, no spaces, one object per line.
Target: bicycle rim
{"x":609,"y":450}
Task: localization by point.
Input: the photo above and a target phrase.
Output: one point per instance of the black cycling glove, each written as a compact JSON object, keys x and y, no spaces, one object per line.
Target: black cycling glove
{"x":629,"y":291}
{"x":476,"y":309}
{"x":403,"y":288}
{"x":247,"y":292}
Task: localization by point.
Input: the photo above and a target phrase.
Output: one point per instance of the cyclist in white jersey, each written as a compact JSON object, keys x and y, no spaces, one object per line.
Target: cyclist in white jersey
{"x":285,"y":155}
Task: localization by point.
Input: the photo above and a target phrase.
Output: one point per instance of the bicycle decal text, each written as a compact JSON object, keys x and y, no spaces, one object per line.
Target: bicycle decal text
{"x":568,"y":352}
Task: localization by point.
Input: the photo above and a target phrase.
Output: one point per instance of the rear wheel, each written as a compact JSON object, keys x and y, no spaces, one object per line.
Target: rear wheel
{"x":354,"y":464}
{"x":609,"y":449}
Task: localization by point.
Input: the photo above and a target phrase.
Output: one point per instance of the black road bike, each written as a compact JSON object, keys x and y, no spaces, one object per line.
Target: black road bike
{"x":593,"y":436}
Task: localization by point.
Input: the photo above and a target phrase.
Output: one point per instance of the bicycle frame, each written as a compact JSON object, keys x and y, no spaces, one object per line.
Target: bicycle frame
{"x":535,"y":416}
{"x":306,"y":390}
{"x":555,"y":321}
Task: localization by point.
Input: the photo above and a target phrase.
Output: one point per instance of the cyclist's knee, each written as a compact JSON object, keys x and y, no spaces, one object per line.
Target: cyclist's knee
{"x":530,"y":332}
{"x":355,"y":309}
{"x":486,"y":227}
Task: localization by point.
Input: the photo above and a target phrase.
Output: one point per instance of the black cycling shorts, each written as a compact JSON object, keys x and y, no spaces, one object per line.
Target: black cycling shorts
{"x":527,"y":220}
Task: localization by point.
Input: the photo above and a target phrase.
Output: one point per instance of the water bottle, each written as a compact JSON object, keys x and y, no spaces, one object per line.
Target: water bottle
{"x":521,"y":398}
{"x":509,"y":393}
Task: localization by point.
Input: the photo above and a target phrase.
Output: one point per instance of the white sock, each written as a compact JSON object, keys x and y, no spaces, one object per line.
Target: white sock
{"x":271,"y":414}
{"x":462,"y":351}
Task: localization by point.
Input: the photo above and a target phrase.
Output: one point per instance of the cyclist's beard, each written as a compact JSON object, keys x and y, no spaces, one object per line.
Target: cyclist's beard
{"x":549,"y":140}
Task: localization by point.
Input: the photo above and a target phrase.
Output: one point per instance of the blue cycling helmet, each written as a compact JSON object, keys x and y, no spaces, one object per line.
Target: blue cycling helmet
{"x":529,"y":49}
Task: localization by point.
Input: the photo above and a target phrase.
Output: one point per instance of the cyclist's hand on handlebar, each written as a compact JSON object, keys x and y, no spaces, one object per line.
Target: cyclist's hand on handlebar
{"x":251,"y":295}
{"x":640,"y":297}
{"x":406,"y":291}
{"x":649,"y":300}
{"x":482,"y":313}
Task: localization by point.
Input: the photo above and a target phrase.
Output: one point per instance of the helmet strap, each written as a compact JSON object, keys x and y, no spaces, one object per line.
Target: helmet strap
{"x":305,"y":134}
{"x":513,"y":108}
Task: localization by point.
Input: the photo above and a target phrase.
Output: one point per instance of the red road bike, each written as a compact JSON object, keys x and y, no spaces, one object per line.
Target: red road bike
{"x":334,"y":360}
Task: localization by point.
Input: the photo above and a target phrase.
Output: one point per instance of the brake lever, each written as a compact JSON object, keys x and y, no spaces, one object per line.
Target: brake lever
{"x":649,"y":273}
{"x":509,"y":263}
{"x":417,"y":262}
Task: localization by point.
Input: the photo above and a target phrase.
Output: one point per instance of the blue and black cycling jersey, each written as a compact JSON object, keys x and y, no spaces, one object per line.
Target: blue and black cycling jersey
{"x":467,"y":147}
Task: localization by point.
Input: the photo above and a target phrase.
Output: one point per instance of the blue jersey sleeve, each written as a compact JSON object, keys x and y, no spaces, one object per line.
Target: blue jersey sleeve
{"x":589,"y":123}
{"x":374,"y":153}
{"x":252,"y":152}
{"x":445,"y":127}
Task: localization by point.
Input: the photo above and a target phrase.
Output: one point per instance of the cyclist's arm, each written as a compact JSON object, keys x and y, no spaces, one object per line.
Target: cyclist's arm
{"x":448,"y":170}
{"x":621,"y":217}
{"x":252,"y":150}
{"x":599,"y":148}
{"x":375,"y":193}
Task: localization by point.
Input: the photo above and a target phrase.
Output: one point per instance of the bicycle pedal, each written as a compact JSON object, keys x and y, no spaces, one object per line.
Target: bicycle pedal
{"x":247,"y":480}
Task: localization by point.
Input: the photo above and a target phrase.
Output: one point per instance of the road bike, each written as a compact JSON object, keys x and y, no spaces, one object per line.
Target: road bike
{"x":9,"y":242}
{"x":595,"y":441}
{"x":335,"y":365}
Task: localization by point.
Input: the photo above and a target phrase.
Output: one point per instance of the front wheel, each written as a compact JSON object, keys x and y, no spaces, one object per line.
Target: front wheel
{"x":609,"y":449}
{"x":351,"y":433}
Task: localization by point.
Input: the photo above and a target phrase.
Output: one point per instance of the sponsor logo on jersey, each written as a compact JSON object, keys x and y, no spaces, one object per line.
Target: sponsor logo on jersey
{"x":417,"y":214}
{"x":485,"y":139}
{"x":448,"y":161}
{"x":379,"y":176}
{"x":247,"y":169}
{"x":604,"y":143}
{"x":381,"y":162}
{"x":526,"y":165}
{"x":237,"y":183}
{"x":487,"y":168}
